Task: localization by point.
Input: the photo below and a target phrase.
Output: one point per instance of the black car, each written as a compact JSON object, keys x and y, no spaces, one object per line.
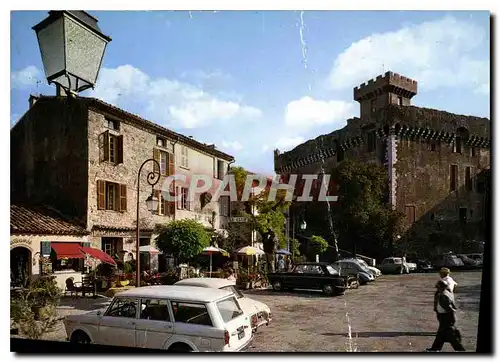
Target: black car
{"x":317,"y":276}
{"x":424,"y":266}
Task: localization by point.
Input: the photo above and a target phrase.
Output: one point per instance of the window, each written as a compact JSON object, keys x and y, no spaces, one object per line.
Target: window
{"x":162,"y":142}
{"x":183,"y":203}
{"x":192,"y":313}
{"x":472,"y":151}
{"x":123,"y":307}
{"x":165,"y":207}
{"x":184,"y":157}
{"x":453,"y":177}
{"x":112,"y":246}
{"x":373,"y":105}
{"x":111,"y":196}
{"x":221,"y":171}
{"x":433,"y":145}
{"x":110,"y":148}
{"x":340,"y":154}
{"x":468,"y":178}
{"x":224,"y":205}
{"x":229,"y":309}
{"x":457,"y":146}
{"x":371,"y":141}
{"x":400,"y":101}
{"x":462,"y":215}
{"x":410,"y":214}
{"x":331,"y":270}
{"x":165,"y":160}
{"x":155,"y":309}
{"x":111,"y":124}
{"x":233,"y":289}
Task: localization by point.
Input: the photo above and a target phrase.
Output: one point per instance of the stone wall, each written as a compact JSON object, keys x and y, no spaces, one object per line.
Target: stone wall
{"x":49,"y":156}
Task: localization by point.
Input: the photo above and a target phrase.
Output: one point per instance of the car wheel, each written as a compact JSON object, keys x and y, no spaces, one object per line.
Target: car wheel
{"x":180,"y":348}
{"x":80,"y":337}
{"x":277,"y":285}
{"x":328,"y":289}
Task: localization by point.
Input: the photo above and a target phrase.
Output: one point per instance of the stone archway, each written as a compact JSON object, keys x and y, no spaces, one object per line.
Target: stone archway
{"x":20,"y":266}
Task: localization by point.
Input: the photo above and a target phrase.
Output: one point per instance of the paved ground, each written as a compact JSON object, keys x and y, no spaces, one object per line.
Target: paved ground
{"x":393,"y":314}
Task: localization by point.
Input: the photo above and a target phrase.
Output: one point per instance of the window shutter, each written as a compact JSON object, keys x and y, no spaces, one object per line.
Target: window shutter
{"x":106,"y":146}
{"x":171,"y":164}
{"x":156,"y":156}
{"x":170,"y":207}
{"x":123,"y":197}
{"x":119,"y":148}
{"x":118,"y":191}
{"x":101,"y":195}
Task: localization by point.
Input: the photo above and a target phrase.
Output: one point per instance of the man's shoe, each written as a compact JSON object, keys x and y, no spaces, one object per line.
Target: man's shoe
{"x":431,"y":350}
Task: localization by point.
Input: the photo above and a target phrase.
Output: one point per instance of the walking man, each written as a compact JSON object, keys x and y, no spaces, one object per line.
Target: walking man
{"x":444,"y":306}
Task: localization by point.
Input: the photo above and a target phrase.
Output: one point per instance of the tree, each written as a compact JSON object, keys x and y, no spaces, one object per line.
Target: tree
{"x":363,"y":218}
{"x":319,"y":244}
{"x":183,"y":239}
{"x":269,"y":214}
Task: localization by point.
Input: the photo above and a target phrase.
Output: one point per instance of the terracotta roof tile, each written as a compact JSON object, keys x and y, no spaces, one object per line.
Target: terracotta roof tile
{"x":41,"y":220}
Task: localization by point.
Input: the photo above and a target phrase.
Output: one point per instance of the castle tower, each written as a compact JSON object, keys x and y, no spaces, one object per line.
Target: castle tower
{"x":391,"y":88}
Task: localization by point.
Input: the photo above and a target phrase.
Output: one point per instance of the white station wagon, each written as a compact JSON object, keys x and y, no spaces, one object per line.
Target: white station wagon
{"x":258,"y":312}
{"x":173,"y":318}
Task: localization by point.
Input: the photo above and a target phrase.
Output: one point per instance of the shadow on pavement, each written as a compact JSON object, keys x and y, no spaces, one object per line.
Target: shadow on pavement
{"x":295,"y":292}
{"x":383,"y":334}
{"x":83,"y":303}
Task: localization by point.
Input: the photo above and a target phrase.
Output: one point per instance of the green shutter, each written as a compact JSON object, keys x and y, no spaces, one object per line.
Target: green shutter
{"x":45,"y":248}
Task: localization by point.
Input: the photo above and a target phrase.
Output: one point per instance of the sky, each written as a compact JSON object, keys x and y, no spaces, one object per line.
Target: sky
{"x":254,"y":81}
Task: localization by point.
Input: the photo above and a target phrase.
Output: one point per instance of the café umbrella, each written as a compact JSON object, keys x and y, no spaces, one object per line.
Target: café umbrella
{"x":213,"y":250}
{"x":249,"y":251}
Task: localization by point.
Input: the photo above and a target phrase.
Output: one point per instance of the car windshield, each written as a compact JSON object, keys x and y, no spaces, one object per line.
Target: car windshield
{"x":363,"y":263}
{"x":332,"y":270}
{"x":229,"y":309}
{"x":233,"y":289}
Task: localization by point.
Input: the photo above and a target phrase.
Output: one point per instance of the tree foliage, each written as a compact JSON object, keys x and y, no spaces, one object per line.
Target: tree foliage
{"x":183,"y":239}
{"x":269,"y":214}
{"x":319,"y":244}
{"x":362,"y":214}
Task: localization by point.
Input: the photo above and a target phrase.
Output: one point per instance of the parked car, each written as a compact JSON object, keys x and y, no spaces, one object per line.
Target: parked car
{"x":477,"y":257}
{"x":448,"y":260}
{"x":352,"y":266}
{"x":424,"y":266}
{"x":469,"y":262}
{"x":375,"y":271}
{"x":258,"y":312}
{"x":173,"y":318}
{"x":393,"y":265}
{"x":317,"y":276}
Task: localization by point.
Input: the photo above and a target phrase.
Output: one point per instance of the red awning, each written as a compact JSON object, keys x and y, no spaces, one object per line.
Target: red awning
{"x":67,"y":250}
{"x":98,"y":254}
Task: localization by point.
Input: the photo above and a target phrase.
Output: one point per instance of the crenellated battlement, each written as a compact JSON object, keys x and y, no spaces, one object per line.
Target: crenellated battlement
{"x":390,"y":81}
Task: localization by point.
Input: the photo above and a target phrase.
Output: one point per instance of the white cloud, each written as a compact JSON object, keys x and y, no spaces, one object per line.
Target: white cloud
{"x":307,"y":113}
{"x":234,"y":145}
{"x":287,"y":143}
{"x":26,"y":77}
{"x":167,"y":101}
{"x":440,"y":53}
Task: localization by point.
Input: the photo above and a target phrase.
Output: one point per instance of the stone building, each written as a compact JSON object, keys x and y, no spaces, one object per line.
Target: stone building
{"x":432,"y":159}
{"x":82,"y":157}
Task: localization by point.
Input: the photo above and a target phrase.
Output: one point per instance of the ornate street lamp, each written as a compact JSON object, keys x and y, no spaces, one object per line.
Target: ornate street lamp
{"x":72,"y":48}
{"x":152,"y":205}
{"x":303,"y":225}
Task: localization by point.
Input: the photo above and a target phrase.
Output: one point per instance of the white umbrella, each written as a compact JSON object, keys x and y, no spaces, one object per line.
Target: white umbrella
{"x":148,"y":249}
{"x":210,"y":251}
